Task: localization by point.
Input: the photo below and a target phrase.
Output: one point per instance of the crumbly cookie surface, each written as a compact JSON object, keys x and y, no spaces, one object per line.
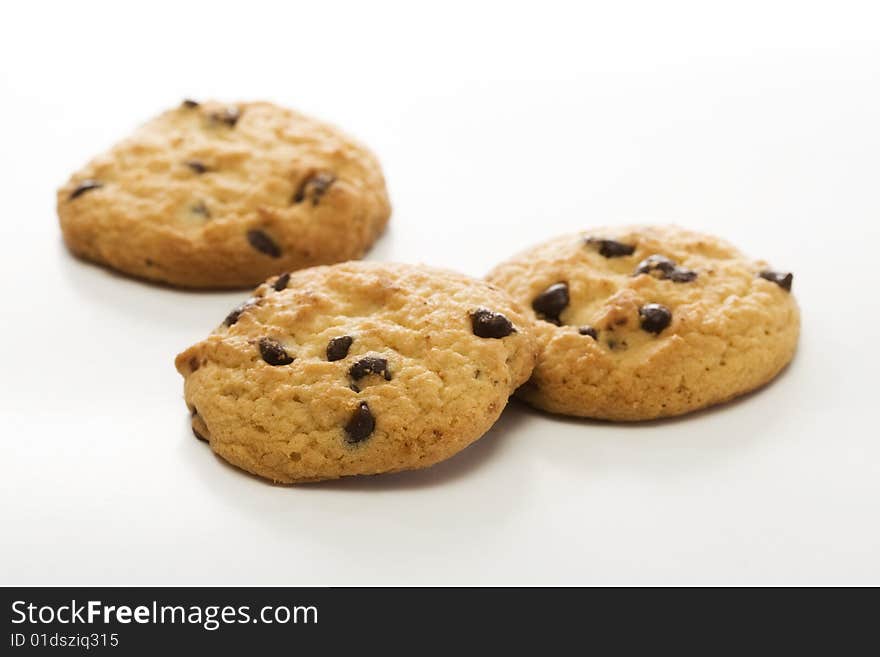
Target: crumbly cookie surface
{"x":210,"y":195}
{"x":357,"y":368}
{"x":642,"y":322}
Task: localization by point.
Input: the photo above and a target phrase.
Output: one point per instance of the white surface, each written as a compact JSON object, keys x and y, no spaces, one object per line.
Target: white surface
{"x":497,"y":128}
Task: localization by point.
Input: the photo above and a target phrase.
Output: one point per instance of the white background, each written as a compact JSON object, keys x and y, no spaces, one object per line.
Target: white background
{"x":498,"y":126}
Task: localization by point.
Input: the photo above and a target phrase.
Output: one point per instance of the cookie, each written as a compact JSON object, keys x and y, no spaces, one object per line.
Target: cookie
{"x":643,"y":322}
{"x":356,"y":368}
{"x":208,"y":195}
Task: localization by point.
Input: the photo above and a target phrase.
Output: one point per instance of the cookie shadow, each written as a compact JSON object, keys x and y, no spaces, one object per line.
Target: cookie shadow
{"x":123,"y":298}
{"x":462,"y":464}
{"x":705,"y":441}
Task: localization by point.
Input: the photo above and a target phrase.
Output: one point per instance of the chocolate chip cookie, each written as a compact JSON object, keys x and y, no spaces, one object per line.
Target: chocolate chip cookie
{"x":357,"y":368}
{"x":211,"y":195}
{"x":643,"y":322}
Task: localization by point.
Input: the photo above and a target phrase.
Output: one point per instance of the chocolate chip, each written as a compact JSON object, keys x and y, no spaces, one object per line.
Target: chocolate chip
{"x":321,"y":183}
{"x":680,"y":275}
{"x":190,"y":104}
{"x":198,"y":435}
{"x":611,"y":248}
{"x":274,"y":353}
{"x":654,"y":317}
{"x":228,"y":115}
{"x":300,"y":194}
{"x":317,"y":184}
{"x":783,"y":280}
{"x":487,"y":324}
{"x":589,"y":330}
{"x":236,"y":312}
{"x":551,"y":302}
{"x":83,"y":187}
{"x":193,"y":364}
{"x":655,"y":262}
{"x":369,"y":365}
{"x":665,"y":268}
{"x":337,"y":348}
{"x":201,"y":209}
{"x":361,"y":424}
{"x":263,"y":243}
{"x":281,"y":282}
{"x":197,"y":166}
